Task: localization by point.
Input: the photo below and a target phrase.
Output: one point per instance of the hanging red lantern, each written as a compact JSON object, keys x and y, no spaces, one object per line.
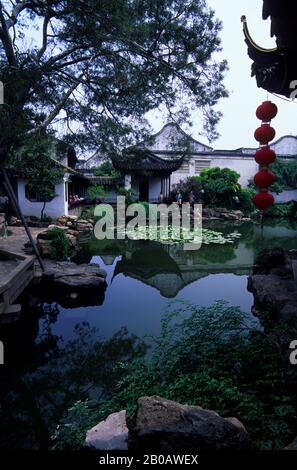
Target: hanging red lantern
{"x":266,"y":111}
{"x":265,"y":156}
{"x":264,"y":179}
{"x":265,"y":134}
{"x":263,"y":200}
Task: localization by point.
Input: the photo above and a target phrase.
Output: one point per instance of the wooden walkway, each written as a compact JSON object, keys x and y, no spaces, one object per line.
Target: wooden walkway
{"x":17,"y":270}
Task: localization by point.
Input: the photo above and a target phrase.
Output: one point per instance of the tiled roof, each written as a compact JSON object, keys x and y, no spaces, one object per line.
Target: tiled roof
{"x":140,"y":159}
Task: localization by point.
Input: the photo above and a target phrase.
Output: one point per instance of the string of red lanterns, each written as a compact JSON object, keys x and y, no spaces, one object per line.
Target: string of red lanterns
{"x":265,"y":156}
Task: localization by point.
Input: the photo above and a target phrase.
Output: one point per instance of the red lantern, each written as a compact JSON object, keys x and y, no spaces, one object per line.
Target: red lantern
{"x":264,"y":179}
{"x":266,"y":111}
{"x":263,"y":200}
{"x":264,"y":134}
{"x":265,"y":156}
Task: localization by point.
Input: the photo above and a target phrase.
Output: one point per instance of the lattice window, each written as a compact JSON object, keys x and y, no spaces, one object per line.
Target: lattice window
{"x":200,"y":165}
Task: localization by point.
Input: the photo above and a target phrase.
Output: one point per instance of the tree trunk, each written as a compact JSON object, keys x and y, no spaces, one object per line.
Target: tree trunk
{"x":42,"y":210}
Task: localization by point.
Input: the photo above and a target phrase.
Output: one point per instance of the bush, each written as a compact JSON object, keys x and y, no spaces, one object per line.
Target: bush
{"x":214,"y":187}
{"x":130,"y":195}
{"x":96,"y":191}
{"x":106,"y":169}
{"x":59,"y":244}
{"x":193,"y":184}
{"x":206,"y":357}
{"x":245,"y":196}
{"x":282,"y":210}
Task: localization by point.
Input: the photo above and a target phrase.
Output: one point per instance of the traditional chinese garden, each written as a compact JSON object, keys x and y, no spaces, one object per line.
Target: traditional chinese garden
{"x":133,"y":341}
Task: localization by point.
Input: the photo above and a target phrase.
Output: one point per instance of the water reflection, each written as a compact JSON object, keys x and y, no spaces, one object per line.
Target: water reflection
{"x":44,"y":375}
{"x":64,"y":349}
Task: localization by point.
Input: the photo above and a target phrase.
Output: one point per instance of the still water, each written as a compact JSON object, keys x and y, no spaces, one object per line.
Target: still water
{"x":49,"y":353}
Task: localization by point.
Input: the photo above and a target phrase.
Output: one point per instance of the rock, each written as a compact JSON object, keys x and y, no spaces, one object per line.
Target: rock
{"x":3,"y":225}
{"x":268,"y":259}
{"x":44,"y":247}
{"x":66,"y":274}
{"x":223,"y":213}
{"x":60,"y":227}
{"x":72,"y":222}
{"x":111,"y":434}
{"x":161,"y":425}
{"x":15,"y":222}
{"x":274,"y":286}
{"x":292,"y":446}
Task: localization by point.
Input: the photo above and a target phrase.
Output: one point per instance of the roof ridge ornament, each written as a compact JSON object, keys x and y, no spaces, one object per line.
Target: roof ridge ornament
{"x":250,"y":40}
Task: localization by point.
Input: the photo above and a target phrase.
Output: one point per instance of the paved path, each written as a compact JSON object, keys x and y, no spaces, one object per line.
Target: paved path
{"x":18,"y":238}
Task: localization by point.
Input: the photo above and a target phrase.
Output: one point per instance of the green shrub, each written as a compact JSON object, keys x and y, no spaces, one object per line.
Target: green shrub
{"x":106,"y":169}
{"x":215,"y":187}
{"x":193,"y":183}
{"x":130,"y":195}
{"x":59,"y":244}
{"x":96,"y":191}
{"x":206,"y":357}
{"x":245,"y":196}
{"x":282,"y":210}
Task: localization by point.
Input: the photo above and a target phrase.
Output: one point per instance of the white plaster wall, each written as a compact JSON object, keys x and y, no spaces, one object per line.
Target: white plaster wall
{"x":245,"y":166}
{"x":55,"y":208}
{"x":286,"y":196}
{"x":285,"y":146}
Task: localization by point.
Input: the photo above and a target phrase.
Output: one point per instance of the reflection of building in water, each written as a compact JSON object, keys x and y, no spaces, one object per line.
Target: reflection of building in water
{"x":108,"y":260}
{"x":169,"y":268}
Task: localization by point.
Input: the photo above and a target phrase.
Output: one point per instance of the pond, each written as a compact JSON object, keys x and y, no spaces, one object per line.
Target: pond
{"x":51,"y":353}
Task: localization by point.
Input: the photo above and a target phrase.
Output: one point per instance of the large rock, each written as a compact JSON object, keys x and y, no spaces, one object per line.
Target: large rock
{"x":111,"y":434}
{"x":166,"y":426}
{"x":71,"y":275}
{"x":274,"y":285}
{"x":223,"y":214}
{"x":74,"y":223}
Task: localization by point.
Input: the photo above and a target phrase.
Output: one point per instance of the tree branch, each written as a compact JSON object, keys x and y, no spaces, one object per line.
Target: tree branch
{"x":54,"y":112}
{"x":44,"y":35}
{"x":6,"y":39}
{"x":17,"y":9}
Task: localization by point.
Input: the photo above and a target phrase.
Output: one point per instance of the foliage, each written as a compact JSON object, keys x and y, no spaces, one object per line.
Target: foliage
{"x":206,"y":357}
{"x":130,"y":194}
{"x":220,"y":186}
{"x":245,"y":196}
{"x":214,"y":187}
{"x":33,"y":160}
{"x":106,"y":169}
{"x":96,"y":191}
{"x":106,"y":64}
{"x":282,"y":210}
{"x":193,"y":183}
{"x":286,"y":172}
{"x":87,"y":213}
{"x":59,"y":244}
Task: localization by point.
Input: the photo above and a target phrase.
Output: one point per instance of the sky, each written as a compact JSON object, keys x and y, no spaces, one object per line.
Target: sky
{"x":239,"y":121}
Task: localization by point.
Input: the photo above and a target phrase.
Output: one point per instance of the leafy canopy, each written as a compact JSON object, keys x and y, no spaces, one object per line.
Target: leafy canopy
{"x":94,"y":69}
{"x":106,"y":169}
{"x":33,"y":161}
